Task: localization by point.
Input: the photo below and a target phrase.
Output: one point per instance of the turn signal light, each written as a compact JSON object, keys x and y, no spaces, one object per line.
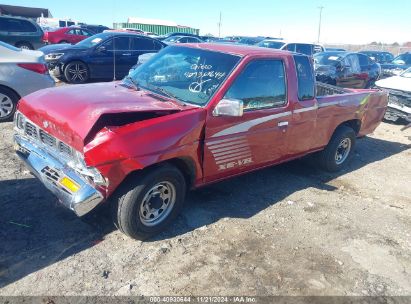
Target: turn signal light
{"x":69,"y":184}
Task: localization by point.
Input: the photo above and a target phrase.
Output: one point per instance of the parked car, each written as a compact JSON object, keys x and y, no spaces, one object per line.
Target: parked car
{"x":102,"y":56}
{"x":271,"y":43}
{"x":71,"y":34}
{"x":20,"y":32}
{"x":198,"y":114}
{"x":182,"y":39}
{"x":398,"y":65}
{"x":250,"y":40}
{"x":309,"y":49}
{"x":399,"y":102}
{"x":163,"y":37}
{"x":378,"y":56}
{"x":21,"y":72}
{"x":331,"y":49}
{"x":209,"y":38}
{"x":346,"y":69}
{"x":96,"y":29}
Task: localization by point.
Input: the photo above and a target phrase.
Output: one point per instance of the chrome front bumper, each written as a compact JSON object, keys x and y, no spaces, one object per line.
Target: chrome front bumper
{"x":50,"y":171}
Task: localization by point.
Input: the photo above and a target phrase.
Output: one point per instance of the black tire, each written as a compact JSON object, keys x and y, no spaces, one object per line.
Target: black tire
{"x":76,"y":72}
{"x":8,"y":104}
{"x":328,"y":159}
{"x":24,"y":45}
{"x":129,"y":201}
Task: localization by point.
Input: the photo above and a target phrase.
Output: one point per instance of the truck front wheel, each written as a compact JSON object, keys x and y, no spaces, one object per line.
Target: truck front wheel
{"x":148,"y":202}
{"x":339,"y":150}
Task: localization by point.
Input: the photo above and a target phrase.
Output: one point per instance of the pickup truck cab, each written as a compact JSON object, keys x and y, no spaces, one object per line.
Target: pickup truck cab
{"x":190,"y":116}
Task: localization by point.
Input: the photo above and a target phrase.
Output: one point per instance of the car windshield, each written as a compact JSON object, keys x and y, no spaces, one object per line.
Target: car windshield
{"x":94,"y":40}
{"x":271,"y":44}
{"x":402,"y":59}
{"x":188,"y":74}
{"x":406,"y":73}
{"x":328,"y":58}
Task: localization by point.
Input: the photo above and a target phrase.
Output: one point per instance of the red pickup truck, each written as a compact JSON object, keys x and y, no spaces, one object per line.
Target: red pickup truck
{"x":190,"y":116}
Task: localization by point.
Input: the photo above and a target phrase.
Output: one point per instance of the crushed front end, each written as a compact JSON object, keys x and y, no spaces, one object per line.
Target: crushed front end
{"x":59,"y":167}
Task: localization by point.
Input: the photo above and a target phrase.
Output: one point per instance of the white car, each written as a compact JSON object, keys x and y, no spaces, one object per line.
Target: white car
{"x":399,"y":101}
{"x":303,"y":48}
{"x":21,"y":72}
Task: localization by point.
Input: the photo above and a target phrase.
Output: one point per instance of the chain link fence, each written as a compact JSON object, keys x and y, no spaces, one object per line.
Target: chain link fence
{"x":395,"y":50}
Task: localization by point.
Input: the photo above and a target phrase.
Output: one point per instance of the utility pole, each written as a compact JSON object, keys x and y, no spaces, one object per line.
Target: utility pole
{"x":219,"y":27}
{"x":319,"y":24}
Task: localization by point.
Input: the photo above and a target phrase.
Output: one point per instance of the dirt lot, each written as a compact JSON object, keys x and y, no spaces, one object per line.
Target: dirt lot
{"x":286,"y":230}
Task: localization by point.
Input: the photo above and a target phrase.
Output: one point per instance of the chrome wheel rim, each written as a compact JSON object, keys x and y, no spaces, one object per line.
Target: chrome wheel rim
{"x":25,"y":47}
{"x":6,"y":105}
{"x":157,"y":204}
{"x":77,"y":72}
{"x":343,"y":150}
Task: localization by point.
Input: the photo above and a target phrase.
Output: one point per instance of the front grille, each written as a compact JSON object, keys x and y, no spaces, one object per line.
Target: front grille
{"x":63,"y":148}
{"x":47,"y":139}
{"x":31,"y":130}
{"x":42,"y":137}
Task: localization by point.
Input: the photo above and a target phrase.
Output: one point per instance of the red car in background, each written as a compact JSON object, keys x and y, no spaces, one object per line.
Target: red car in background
{"x":66,"y":35}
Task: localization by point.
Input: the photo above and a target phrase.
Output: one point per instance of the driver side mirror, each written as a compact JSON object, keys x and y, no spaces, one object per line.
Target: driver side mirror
{"x":229,"y":107}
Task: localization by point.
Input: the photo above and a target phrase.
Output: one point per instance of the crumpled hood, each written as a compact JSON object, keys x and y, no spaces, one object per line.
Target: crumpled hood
{"x":395,"y":83}
{"x":324,"y":69}
{"x":70,"y":112}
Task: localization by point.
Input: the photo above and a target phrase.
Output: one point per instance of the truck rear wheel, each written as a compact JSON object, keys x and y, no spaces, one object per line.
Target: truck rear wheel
{"x":339,"y":150}
{"x":145,"y":205}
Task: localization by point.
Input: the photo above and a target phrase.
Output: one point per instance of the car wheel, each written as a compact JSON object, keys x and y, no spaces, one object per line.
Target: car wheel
{"x":24,"y":46}
{"x":339,"y":150}
{"x":76,"y":72}
{"x":146,"y":205}
{"x":8,"y":103}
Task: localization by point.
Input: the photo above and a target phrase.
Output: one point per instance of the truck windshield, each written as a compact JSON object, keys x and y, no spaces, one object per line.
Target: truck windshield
{"x":190,"y":75}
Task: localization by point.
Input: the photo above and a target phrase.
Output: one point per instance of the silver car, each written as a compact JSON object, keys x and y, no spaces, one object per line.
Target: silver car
{"x":21,"y":72}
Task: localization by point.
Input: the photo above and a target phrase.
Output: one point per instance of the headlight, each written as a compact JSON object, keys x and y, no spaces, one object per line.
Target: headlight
{"x":20,"y":121}
{"x":80,"y":166}
{"x":53,"y":56}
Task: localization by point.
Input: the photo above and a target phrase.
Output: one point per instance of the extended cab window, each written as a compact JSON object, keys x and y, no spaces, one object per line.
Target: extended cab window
{"x":260,"y":85}
{"x":305,"y":77}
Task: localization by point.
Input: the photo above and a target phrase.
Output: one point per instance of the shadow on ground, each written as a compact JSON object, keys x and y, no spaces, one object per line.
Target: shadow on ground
{"x":36,"y":232}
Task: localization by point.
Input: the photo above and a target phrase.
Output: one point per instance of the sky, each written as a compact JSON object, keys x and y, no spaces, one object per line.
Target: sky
{"x":343,"y":21}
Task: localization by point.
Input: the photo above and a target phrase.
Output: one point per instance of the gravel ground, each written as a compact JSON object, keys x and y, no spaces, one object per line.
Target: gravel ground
{"x":286,"y":230}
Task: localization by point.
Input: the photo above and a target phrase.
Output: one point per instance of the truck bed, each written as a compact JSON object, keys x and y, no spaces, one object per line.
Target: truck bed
{"x":327,"y":89}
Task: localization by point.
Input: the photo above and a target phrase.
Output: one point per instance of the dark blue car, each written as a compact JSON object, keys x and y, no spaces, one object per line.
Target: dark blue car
{"x":398,"y":65}
{"x":104,"y":56}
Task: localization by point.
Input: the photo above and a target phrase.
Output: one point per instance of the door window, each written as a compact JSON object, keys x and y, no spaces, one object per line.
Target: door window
{"x":260,"y":85}
{"x":85,"y":33}
{"x":305,"y":78}
{"x":304,"y":49}
{"x":354,"y":63}
{"x":142,"y":44}
{"x":122,"y":43}
{"x":364,"y":61}
{"x":17,"y":25}
{"x":291,"y":47}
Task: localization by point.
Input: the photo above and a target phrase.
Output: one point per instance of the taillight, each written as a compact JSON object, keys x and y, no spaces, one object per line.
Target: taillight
{"x":34,"y":67}
{"x":45,"y":37}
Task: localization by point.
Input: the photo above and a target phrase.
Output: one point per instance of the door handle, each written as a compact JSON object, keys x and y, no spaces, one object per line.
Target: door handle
{"x":283,"y":124}
{"x":126,"y":54}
